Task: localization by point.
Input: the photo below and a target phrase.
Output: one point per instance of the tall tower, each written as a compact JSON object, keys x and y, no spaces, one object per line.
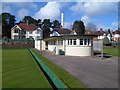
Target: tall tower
{"x":62,"y":19}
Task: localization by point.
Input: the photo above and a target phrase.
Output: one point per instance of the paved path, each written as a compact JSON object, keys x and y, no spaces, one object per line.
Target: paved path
{"x":92,"y":72}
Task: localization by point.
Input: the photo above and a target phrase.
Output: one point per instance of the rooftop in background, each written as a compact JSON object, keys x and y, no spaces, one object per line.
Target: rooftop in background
{"x":116,"y":31}
{"x":61,"y":30}
{"x":27,"y":27}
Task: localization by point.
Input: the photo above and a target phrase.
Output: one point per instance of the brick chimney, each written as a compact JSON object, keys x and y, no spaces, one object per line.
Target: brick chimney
{"x":101,"y":29}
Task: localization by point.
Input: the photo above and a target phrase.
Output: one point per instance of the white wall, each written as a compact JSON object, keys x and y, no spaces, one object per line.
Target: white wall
{"x":37,"y":44}
{"x":78,"y":51}
{"x":51,"y":47}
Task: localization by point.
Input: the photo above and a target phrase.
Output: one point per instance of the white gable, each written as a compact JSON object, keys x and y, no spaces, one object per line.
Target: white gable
{"x":16,"y":26}
{"x":55,"y":34}
{"x":73,"y":33}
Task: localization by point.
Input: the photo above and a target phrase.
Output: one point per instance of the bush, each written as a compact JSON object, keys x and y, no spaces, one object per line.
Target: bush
{"x":106,"y":41}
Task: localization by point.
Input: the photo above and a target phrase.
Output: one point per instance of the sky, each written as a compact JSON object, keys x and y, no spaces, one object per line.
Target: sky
{"x":102,"y":14}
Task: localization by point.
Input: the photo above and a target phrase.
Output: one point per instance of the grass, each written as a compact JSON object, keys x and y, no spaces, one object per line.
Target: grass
{"x":64,"y":76}
{"x":111,"y":51}
{"x":19,"y":70}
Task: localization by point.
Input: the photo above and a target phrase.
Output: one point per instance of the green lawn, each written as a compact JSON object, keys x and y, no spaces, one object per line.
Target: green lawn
{"x":21,"y":71}
{"x":111,"y":51}
{"x":64,"y":76}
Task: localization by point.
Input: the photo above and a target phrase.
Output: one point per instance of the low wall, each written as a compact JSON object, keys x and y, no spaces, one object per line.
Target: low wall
{"x":18,"y":45}
{"x":78,"y":51}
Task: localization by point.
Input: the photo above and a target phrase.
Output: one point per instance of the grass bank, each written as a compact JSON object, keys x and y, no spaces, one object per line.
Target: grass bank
{"x":19,"y":70}
{"x":64,"y":76}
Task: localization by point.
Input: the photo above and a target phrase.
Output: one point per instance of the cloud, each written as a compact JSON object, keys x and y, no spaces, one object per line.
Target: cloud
{"x":68,"y":25}
{"x":114,"y":24}
{"x":94,"y":8}
{"x":22,"y":12}
{"x":85,"y":19}
{"x":50,"y":11}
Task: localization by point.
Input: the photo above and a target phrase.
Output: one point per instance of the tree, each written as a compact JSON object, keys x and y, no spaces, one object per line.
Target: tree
{"x":109,"y":31}
{"x":90,"y":27}
{"x":56,"y":24}
{"x":79,"y":27}
{"x":8,"y":21}
{"x":105,"y":41}
{"x":46,"y":24}
{"x":31,"y":20}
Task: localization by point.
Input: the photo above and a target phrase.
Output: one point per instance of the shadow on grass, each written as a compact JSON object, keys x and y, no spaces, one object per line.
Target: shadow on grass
{"x":105,"y":55}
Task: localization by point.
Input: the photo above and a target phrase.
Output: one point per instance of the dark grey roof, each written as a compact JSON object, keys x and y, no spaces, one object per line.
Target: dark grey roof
{"x":62,"y":30}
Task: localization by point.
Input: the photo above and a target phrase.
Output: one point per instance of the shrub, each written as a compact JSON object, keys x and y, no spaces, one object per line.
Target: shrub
{"x":106,"y":41}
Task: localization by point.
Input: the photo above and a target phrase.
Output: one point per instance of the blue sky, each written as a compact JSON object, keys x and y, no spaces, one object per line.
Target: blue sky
{"x":102,"y":14}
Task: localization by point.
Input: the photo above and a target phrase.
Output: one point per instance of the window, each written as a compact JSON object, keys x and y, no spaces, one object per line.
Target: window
{"x":23,"y":32}
{"x":85,"y":42}
{"x":60,"y":42}
{"x":81,"y":41}
{"x":38,"y":37}
{"x":38,"y":32}
{"x":70,"y":42}
{"x":16,"y":30}
{"x":23,"y":37}
{"x":74,"y":41}
{"x":88,"y":41}
{"x":30,"y":32}
{"x":30,"y":37}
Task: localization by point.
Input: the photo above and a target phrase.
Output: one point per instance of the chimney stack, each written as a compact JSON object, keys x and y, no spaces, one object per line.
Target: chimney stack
{"x":62,"y":19}
{"x":27,"y":22}
{"x":101,"y":29}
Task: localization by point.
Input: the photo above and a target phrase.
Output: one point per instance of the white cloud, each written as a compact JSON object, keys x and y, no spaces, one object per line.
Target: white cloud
{"x":68,"y":25}
{"x":49,"y":11}
{"x":114,"y":24}
{"x":21,"y":13}
{"x":94,"y":8}
{"x":85,"y":19}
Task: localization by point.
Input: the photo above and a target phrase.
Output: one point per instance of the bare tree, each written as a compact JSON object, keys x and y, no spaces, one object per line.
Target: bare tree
{"x":90,"y":27}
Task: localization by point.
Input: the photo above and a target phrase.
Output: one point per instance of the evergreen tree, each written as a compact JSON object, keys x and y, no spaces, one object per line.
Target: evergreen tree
{"x":8,"y":21}
{"x":79,"y":27}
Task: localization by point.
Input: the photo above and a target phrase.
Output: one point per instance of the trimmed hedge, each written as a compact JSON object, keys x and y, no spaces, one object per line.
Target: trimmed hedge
{"x":18,"y":45}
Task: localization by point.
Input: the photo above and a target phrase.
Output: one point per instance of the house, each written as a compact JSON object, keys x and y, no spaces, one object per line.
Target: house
{"x":116,"y":35}
{"x":25,"y":31}
{"x":101,"y":34}
{"x":62,"y":40}
{"x":67,"y":42}
{"x":60,"y":32}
